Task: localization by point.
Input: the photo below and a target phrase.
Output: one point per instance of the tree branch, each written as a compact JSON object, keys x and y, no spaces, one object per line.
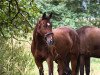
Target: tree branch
{"x":17,"y":12}
{"x":9,"y":8}
{"x":2,"y":33}
{"x":21,"y":40}
{"x":14,"y":16}
{"x":26,"y":20}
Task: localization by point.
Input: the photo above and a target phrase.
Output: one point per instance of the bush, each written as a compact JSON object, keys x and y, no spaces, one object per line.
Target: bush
{"x":15,"y":59}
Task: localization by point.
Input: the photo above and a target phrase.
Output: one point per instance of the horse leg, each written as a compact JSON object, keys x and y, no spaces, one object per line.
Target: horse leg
{"x":40,"y":66}
{"x":78,"y":65}
{"x":87,"y":65}
{"x":82,"y":63}
{"x":74,"y":59}
{"x":50,"y":65}
{"x":61,"y":67}
{"x":68,"y":70}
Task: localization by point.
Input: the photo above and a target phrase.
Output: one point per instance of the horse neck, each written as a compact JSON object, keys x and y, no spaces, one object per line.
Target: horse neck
{"x":38,"y":40}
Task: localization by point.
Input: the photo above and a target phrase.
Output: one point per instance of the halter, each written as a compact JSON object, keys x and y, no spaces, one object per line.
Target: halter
{"x":47,"y":34}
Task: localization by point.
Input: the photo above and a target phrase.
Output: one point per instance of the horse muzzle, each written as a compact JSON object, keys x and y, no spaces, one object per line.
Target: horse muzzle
{"x":49,"y":38}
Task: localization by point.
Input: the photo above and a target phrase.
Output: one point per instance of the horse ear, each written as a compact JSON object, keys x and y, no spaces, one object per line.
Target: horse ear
{"x":50,"y":15}
{"x":44,"y":15}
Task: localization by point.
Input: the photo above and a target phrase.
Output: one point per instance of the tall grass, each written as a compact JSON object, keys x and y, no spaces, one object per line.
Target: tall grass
{"x":15,"y":59}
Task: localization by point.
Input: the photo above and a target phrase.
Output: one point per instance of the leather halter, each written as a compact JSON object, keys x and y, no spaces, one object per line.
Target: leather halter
{"x":47,"y":34}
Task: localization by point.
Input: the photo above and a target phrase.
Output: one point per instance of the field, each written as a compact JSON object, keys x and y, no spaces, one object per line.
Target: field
{"x":95,"y":67}
{"x":16,"y":60}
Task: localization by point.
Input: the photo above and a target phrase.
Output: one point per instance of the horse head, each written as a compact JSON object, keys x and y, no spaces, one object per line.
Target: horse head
{"x":44,"y":28}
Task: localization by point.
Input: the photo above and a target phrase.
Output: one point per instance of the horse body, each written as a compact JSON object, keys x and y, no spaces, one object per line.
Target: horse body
{"x":90,"y":46}
{"x":39,"y":46}
{"x":62,"y":39}
{"x":66,"y":42}
{"x":93,"y":41}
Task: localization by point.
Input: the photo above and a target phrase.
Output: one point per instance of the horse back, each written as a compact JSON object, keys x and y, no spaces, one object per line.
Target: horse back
{"x":90,"y":40}
{"x":89,"y":33}
{"x":65,"y":40}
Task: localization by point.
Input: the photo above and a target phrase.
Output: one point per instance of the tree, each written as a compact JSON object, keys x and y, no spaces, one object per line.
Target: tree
{"x":17,"y":17}
{"x":71,"y":12}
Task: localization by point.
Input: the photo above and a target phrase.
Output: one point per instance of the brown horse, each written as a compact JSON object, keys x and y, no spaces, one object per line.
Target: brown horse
{"x":60,"y":45}
{"x":66,"y":41}
{"x":39,"y":46}
{"x":90,"y":46}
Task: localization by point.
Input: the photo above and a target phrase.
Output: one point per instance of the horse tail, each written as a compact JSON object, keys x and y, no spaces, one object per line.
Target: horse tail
{"x":76,"y":44}
{"x":78,"y":65}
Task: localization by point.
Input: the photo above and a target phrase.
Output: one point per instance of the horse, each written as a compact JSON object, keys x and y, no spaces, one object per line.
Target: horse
{"x":60,"y":45}
{"x":89,"y":46}
{"x":67,"y":43}
{"x":39,"y":46}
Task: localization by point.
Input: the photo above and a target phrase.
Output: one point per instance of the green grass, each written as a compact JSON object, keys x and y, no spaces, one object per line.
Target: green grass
{"x":19,"y":60}
{"x":95,"y":67}
{"x":45,"y":69}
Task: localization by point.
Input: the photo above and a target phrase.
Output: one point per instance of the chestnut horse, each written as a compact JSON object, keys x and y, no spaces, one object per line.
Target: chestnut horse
{"x":66,"y":41}
{"x":90,"y":46}
{"x":60,"y":45}
{"x":39,"y":46}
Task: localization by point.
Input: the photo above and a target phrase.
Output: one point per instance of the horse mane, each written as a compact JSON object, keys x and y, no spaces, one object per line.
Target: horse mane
{"x":33,"y":45}
{"x":35,"y":35}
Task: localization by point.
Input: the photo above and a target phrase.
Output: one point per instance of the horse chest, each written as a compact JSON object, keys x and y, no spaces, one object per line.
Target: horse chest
{"x":41,"y":54}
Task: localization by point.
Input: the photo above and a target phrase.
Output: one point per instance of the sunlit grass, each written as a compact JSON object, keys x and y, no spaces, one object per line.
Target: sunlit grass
{"x":95,"y":68}
{"x":45,"y":69}
{"x":19,"y":61}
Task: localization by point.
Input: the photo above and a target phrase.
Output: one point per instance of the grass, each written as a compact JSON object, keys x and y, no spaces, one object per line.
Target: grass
{"x":95,"y":67}
{"x":23,"y":62}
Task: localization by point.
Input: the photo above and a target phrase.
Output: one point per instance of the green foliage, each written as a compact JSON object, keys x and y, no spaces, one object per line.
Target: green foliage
{"x":14,"y":59}
{"x":70,"y":13}
{"x":16,"y":17}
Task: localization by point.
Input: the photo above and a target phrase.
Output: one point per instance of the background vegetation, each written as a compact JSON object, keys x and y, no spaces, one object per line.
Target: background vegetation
{"x":17,"y":21}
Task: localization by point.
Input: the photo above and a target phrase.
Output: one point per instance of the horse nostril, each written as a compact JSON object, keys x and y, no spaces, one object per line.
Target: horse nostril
{"x":51,"y":41}
{"x":45,"y":38}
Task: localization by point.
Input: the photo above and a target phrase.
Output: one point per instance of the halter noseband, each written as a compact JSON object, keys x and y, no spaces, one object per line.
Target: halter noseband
{"x":47,"y":34}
